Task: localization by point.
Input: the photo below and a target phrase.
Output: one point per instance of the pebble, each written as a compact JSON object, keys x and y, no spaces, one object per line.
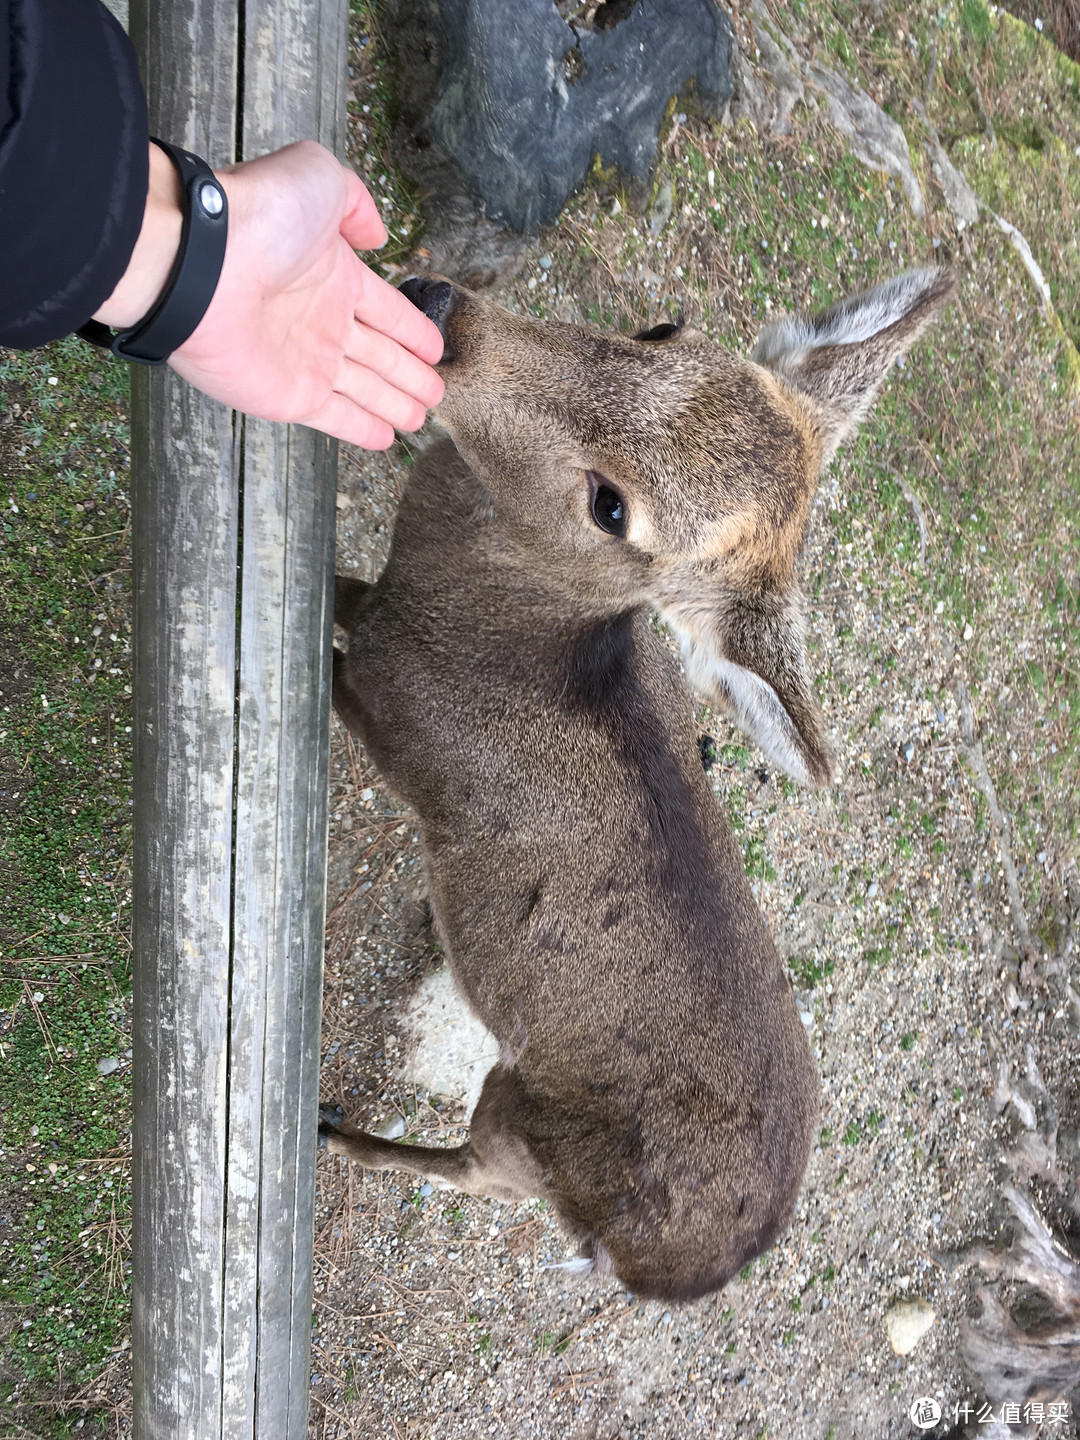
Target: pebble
{"x":392,"y":1129}
{"x":662,"y":208}
{"x":108,"y":1065}
{"x":909,"y":750}
{"x":906,"y":1322}
{"x":544,"y":262}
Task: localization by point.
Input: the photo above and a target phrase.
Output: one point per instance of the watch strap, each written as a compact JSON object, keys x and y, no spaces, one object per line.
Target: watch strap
{"x":193,"y":279}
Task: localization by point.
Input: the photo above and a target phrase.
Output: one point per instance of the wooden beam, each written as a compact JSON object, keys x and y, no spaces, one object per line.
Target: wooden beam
{"x":233,"y":556}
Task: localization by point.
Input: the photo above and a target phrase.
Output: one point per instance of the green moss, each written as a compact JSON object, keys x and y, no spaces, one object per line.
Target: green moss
{"x":64,"y":865}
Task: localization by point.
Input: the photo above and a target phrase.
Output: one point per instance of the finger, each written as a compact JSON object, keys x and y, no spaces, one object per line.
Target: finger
{"x":372,"y":393}
{"x":361,"y":224}
{"x":340,"y":417}
{"x":385,"y":309}
{"x":397,"y":366}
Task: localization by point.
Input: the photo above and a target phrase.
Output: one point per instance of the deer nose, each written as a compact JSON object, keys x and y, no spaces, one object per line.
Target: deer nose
{"x":433,"y":297}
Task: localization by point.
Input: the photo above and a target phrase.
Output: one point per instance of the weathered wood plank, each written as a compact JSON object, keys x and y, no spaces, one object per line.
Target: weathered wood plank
{"x":233,"y":575}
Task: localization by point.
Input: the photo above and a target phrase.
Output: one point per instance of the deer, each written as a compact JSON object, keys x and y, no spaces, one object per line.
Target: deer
{"x":655,"y":1083}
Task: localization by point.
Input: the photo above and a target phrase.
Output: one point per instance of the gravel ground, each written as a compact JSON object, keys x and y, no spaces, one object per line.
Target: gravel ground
{"x":928,"y":933}
{"x":440,"y":1314}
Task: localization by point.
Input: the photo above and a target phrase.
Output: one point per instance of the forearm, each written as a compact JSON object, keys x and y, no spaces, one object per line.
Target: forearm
{"x":73,"y":135}
{"x":155,"y":250}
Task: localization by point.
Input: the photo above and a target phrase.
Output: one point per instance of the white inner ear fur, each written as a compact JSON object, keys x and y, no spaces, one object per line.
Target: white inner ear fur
{"x":748,"y":700}
{"x":858,"y":318}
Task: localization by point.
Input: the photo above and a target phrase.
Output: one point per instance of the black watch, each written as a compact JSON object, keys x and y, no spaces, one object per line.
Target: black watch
{"x":195,"y":272}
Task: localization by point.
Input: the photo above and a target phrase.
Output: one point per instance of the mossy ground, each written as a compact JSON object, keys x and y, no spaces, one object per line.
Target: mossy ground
{"x":65,"y":782}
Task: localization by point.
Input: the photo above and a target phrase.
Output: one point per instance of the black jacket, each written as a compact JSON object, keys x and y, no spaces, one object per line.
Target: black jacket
{"x":74,"y":170}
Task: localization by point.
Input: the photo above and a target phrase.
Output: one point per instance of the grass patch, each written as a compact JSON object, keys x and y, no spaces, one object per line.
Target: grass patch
{"x":65,"y":972}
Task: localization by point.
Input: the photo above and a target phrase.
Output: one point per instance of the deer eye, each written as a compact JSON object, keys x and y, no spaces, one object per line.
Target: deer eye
{"x":608,"y":506}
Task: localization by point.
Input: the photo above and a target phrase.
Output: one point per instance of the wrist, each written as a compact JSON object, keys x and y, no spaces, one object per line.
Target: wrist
{"x":155,"y":250}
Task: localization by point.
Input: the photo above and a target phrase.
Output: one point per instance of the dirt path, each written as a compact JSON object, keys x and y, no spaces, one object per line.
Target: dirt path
{"x":926,"y":904}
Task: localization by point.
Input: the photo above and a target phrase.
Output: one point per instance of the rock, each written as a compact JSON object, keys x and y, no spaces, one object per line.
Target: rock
{"x":906,"y":1322}
{"x":778,"y":58}
{"x":392,"y":1129}
{"x":108,"y":1065}
{"x":447,"y":1050}
{"x":662,"y":208}
{"x":876,"y":139}
{"x":961,"y":199}
{"x":523,"y":102}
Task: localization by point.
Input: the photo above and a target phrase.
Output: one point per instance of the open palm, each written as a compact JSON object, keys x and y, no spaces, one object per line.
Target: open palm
{"x":299,"y":328}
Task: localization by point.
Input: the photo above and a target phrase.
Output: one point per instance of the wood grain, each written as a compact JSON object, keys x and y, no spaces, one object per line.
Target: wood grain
{"x":233,"y":526}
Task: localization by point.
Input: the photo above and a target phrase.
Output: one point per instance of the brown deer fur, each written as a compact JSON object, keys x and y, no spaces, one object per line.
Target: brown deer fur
{"x":655,"y":1082}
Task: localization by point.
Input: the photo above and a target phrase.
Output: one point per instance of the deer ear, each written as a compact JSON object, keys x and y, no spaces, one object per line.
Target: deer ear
{"x":840,"y":357}
{"x":746,"y":655}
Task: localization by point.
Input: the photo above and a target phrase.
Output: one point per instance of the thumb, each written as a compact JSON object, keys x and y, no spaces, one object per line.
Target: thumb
{"x":361,"y":226}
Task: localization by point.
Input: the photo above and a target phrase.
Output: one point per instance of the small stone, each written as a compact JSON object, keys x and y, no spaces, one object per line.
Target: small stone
{"x":968,"y":632}
{"x":909,"y":751}
{"x":426,"y":1188}
{"x":662,"y":208}
{"x":544,"y":262}
{"x":906,"y":1322}
{"x":871,"y":889}
{"x":392,"y":1129}
{"x":108,"y":1065}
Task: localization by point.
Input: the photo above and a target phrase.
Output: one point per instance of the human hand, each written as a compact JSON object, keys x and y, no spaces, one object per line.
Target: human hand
{"x":299,"y":329}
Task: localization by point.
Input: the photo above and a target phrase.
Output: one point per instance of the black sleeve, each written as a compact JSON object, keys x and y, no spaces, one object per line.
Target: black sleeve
{"x":74,"y":167}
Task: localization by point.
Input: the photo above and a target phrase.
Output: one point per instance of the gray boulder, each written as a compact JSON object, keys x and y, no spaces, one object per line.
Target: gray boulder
{"x":523,"y":102}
